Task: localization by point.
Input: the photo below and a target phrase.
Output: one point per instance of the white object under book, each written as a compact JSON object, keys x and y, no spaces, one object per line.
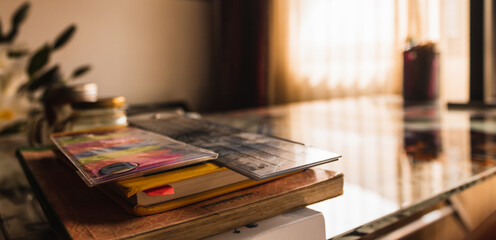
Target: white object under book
{"x":304,"y":223}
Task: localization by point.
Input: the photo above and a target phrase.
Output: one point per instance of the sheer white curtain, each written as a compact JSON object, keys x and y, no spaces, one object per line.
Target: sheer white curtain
{"x":332,"y":48}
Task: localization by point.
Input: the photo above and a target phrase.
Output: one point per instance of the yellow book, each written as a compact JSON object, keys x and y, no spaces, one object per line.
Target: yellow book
{"x":170,"y":185}
{"x":190,"y":184}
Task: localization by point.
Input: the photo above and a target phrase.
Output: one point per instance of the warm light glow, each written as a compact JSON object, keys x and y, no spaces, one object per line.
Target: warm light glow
{"x":333,"y":48}
{"x":356,"y":45}
{"x":343,"y":43}
{"x":433,"y":32}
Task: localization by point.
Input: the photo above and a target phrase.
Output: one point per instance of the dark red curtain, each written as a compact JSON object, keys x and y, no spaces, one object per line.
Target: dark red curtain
{"x":240,"y":74}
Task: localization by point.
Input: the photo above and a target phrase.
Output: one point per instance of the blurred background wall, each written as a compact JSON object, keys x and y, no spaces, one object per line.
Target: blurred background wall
{"x":229,"y":54}
{"x":147,"y":50}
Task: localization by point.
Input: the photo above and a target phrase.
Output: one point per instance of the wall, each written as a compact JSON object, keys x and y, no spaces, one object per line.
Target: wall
{"x":147,"y":50}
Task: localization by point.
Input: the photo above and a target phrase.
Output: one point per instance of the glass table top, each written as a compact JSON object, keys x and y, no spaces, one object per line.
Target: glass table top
{"x":395,"y":159}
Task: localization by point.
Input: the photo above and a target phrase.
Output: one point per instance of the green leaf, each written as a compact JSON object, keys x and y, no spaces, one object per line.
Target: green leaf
{"x":12,"y":128}
{"x":17,"y":19}
{"x":11,"y":35}
{"x":20,"y":14}
{"x":64,"y":37}
{"x":46,"y":79}
{"x":39,"y":60}
{"x":80,"y":71}
{"x":17,"y":53}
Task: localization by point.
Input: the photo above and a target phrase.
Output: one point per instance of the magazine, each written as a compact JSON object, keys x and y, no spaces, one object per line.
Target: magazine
{"x":109,"y":154}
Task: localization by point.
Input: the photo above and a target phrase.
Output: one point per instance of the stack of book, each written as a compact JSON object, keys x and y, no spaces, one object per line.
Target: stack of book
{"x":163,"y":164}
{"x":77,"y":211}
{"x":176,"y":188}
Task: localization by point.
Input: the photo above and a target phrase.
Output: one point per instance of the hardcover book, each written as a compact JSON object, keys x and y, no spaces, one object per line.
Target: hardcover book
{"x":109,"y":154}
{"x":178,"y":183}
{"x":158,"y":207}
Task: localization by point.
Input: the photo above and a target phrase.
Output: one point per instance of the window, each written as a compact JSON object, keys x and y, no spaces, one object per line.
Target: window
{"x":332,"y":48}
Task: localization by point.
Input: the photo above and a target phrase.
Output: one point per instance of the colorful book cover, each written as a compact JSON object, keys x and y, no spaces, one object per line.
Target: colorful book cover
{"x":110,"y":154}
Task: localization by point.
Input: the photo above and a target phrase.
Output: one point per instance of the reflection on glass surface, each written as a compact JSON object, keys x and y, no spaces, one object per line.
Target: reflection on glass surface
{"x":483,"y":139}
{"x":422,"y":140}
{"x":394,"y":157}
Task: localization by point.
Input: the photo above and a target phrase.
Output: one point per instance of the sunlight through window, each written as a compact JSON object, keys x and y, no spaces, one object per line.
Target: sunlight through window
{"x":332,"y":48}
{"x":342,"y":43}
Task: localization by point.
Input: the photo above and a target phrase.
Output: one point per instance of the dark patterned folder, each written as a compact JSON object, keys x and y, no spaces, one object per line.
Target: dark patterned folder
{"x":254,"y":155}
